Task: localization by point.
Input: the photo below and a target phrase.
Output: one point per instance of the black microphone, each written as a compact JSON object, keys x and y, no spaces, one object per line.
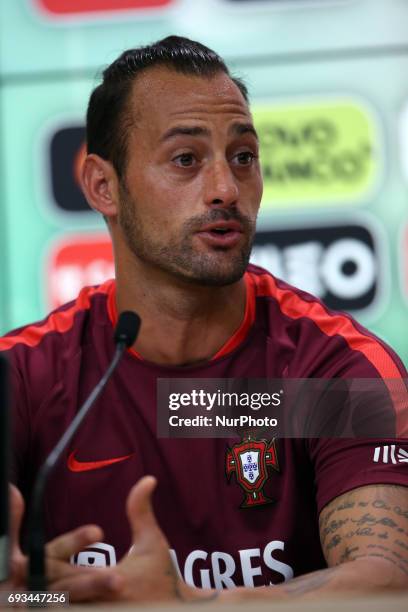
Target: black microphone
{"x":127,"y":328}
{"x":125,"y":334}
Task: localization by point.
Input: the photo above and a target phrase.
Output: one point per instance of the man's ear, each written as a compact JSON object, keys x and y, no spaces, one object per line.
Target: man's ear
{"x":100,"y":185}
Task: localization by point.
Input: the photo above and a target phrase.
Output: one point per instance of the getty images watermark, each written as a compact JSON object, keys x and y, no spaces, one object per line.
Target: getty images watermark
{"x":219,"y":400}
{"x":286,"y":408}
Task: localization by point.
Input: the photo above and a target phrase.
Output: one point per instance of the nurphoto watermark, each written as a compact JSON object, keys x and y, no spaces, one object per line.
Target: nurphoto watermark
{"x":284,"y":408}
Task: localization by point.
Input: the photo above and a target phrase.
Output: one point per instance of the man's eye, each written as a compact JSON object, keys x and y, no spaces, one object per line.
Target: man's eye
{"x":245,"y":158}
{"x":185,"y":160}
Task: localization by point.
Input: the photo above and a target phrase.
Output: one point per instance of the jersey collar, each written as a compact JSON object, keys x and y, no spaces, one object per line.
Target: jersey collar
{"x":230,"y":345}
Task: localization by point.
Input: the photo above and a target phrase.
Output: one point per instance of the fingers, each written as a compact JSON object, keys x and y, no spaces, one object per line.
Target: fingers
{"x":66,"y":545}
{"x":18,"y":562}
{"x":139,"y":505}
{"x":18,"y":571}
{"x":90,"y":585}
{"x":146,"y":533}
{"x":16,"y":516}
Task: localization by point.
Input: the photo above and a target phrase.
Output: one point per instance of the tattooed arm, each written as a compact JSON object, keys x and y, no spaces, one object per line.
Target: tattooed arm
{"x":364,"y":537}
{"x":369,"y":523}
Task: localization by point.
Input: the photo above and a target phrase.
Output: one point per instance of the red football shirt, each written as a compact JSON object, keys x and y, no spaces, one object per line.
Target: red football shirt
{"x":214,"y":541}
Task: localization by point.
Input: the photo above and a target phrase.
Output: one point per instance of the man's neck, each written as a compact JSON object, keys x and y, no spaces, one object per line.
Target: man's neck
{"x":181,"y":323}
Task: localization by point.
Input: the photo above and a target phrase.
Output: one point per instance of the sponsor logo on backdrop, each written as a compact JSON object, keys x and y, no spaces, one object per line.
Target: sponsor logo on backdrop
{"x":75,"y":262}
{"x":314,"y":153}
{"x":66,"y":152}
{"x":338,"y":263}
{"x":78,"y":7}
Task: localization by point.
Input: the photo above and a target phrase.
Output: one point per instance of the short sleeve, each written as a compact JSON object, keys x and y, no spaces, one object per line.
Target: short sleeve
{"x":341,"y":465}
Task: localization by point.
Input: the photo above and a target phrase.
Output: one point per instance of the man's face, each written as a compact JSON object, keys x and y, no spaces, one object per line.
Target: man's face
{"x":192,"y":186}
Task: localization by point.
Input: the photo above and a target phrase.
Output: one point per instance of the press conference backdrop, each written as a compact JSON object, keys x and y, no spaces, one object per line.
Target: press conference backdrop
{"x":329,"y":90}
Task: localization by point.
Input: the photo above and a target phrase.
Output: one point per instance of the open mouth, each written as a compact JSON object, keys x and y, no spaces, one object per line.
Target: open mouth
{"x":224,"y":236}
{"x":222,"y":227}
{"x":218,"y":231}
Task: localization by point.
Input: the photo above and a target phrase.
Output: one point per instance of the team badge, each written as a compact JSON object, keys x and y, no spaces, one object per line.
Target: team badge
{"x":250,"y":460}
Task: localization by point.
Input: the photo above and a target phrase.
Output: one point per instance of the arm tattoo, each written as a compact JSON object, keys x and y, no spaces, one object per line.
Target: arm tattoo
{"x":402,"y":544}
{"x":367,"y":522}
{"x":348,"y":554}
{"x":335,"y":541}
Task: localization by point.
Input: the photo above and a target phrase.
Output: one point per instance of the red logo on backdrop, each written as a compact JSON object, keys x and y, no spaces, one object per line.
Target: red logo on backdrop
{"x":70,"y":7}
{"x":77,"y":262}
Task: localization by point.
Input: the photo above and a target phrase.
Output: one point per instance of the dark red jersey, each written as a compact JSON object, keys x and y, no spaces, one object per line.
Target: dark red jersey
{"x":215,"y":539}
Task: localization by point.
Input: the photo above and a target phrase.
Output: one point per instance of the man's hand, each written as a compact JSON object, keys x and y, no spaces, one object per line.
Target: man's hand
{"x":18,"y":561}
{"x":83,"y":584}
{"x":148,"y":571}
{"x":146,"y":574}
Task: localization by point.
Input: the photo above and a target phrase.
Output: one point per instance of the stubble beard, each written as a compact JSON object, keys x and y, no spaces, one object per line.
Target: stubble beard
{"x":180,"y":257}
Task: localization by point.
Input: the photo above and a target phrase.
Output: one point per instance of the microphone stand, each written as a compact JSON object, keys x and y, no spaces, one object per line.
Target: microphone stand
{"x":37,"y":581}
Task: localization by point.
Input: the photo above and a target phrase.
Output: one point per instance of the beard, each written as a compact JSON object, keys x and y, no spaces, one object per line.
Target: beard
{"x":180,"y":256}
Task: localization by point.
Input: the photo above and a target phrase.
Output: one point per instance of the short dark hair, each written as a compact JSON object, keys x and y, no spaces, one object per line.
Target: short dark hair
{"x":107,"y":118}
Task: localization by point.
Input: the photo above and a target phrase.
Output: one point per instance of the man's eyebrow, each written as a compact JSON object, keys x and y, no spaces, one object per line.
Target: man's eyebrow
{"x":243,"y":128}
{"x":184,"y":130}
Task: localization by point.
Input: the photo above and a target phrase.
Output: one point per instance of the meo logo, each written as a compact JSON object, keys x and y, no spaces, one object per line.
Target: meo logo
{"x":338,"y":263}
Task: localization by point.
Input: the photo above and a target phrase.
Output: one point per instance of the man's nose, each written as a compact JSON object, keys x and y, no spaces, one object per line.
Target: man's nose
{"x":221,"y":188}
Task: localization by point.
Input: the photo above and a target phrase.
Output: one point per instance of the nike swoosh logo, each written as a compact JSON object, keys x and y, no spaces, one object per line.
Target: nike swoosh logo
{"x":85,"y":466}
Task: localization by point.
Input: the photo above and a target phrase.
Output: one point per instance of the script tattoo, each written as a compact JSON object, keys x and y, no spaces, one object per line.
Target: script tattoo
{"x":372,"y":520}
{"x":332,"y":527}
{"x":401,"y":512}
{"x":367,"y":522}
{"x":348,"y":554}
{"x":402,"y":544}
{"x":380,"y":504}
{"x":335,"y":541}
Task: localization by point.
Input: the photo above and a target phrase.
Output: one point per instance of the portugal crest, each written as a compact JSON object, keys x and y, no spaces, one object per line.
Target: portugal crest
{"x":250,"y":460}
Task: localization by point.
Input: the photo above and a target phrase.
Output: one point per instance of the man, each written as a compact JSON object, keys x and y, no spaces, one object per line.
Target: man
{"x":173,"y":167}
